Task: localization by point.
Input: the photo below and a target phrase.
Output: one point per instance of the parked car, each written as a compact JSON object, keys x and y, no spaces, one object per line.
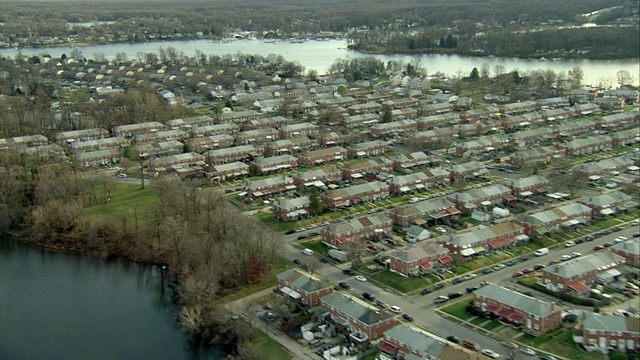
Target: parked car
{"x":607,"y":244}
{"x":289,"y":232}
{"x":538,"y":266}
{"x":579,"y":241}
{"x":457,"y":280}
{"x":344,"y":285}
{"x":454,"y":295}
{"x":547,"y":357}
{"x":308,"y":252}
{"x":565,"y":257}
{"x":575,"y":254}
{"x":490,"y":353}
{"x":407,"y":317}
{"x":425,"y":291}
{"x":302,"y":237}
{"x":570,"y":244}
{"x":528,"y":351}
{"x":517,"y":274}
{"x":499,"y":266}
{"x":453,"y":339}
{"x":511,"y":262}
{"x":471,"y":289}
{"x":469,"y":277}
{"x":620,"y":239}
{"x":368,"y":296}
{"x":487,"y":271}
{"x":523,"y":259}
{"x":527,"y":271}
{"x":361,"y":278}
{"x":382,"y":304}
{"x":440,"y":299}
{"x":297,"y":262}
{"x":348,"y":272}
{"x":598,"y":247}
{"x":395,"y":309}
{"x":510,"y":345}
{"x":438,"y":286}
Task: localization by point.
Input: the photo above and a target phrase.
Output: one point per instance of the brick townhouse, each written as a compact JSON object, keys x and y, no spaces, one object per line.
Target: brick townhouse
{"x":441,"y":120}
{"x":574,"y":128}
{"x":322,"y":156}
{"x":408,"y":342}
{"x":433,"y":211}
{"x":474,"y":115}
{"x":190,"y":122}
{"x":352,"y":195}
{"x":354,"y":317}
{"x":617,"y":120}
{"x":368,"y":167}
{"x":603,"y":167}
{"x":335,"y":138}
{"x":302,"y":286}
{"x":117,"y":142}
{"x":364,"y":108}
{"x":534,"y":317}
{"x":528,"y":138}
{"x":419,"y":260}
{"x":85,"y":159}
{"x":267,"y":165}
{"x":408,"y":161}
{"x":625,"y":137}
{"x":543,"y":154}
{"x":528,"y":186}
{"x":560,"y":114}
{"x":485,"y":240}
{"x":300,"y":129}
{"x":518,"y":108}
{"x":290,"y":146}
{"x":629,"y":250}
{"x":577,"y":276}
{"x":543,"y":222}
{"x":22,"y":142}
{"x":603,"y":332}
{"x":205,"y":143}
{"x":231,"y":154}
{"x":156,"y":136}
{"x":67,"y":137}
{"x":224,"y":172}
{"x":394,"y":127}
{"x":292,"y":209}
{"x":257,"y":136}
{"x":166,"y":163}
{"x":358,"y":120}
{"x":369,"y":148}
{"x":608,"y":204}
{"x":317,"y":177}
{"x":161,"y":148}
{"x":218,"y":129}
{"x":411,"y":183}
{"x":237,"y":117}
{"x":266,"y":122}
{"x":588,"y":145}
{"x":481,"y":145}
{"x":268,"y":186}
{"x":485,"y":196}
{"x":435,"y":109}
{"x":129,"y":131}
{"x":467,"y":170}
{"x":358,"y":230}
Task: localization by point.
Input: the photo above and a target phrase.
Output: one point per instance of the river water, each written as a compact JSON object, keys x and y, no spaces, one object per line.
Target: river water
{"x":319,"y":55}
{"x":67,"y":306}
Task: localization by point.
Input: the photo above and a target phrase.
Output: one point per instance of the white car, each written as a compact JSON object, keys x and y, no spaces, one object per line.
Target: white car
{"x":469,"y":277}
{"x":361,"y":278}
{"x":528,"y":351}
{"x":575,"y":254}
{"x":570,"y":244}
{"x":499,"y":266}
{"x":395,"y":309}
{"x":620,"y":239}
{"x":566,"y":257}
{"x":441,"y":229}
{"x":490,"y":353}
{"x":307,"y":252}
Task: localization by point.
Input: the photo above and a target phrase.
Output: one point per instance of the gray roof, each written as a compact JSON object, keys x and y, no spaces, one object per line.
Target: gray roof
{"x":605,"y":200}
{"x":262,"y":161}
{"x":523,"y":183}
{"x":600,"y":261}
{"x":480,"y":193}
{"x":600,"y":322}
{"x":517,"y":300}
{"x":417,"y":339}
{"x":552,"y":215}
{"x":631,"y":246}
{"x":303,"y":280}
{"x":356,"y":190}
{"x":355,"y":308}
{"x":353,"y":225}
{"x":420,"y":252}
{"x":293,"y":203}
{"x":231,"y":166}
{"x":268,"y":182}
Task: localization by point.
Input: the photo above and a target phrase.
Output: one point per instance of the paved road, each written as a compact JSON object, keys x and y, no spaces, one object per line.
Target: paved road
{"x":422,"y":307}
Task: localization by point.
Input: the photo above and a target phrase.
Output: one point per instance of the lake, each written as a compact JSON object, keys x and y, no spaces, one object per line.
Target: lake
{"x":68,"y":306}
{"x":319,"y":55}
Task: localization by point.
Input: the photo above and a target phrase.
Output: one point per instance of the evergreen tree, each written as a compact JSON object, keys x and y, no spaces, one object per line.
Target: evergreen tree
{"x":316,"y":202}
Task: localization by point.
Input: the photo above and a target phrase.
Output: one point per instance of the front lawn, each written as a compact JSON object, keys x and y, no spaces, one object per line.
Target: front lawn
{"x":401,"y":283}
{"x":316,"y":245}
{"x":126,"y":201}
{"x":560,"y":341}
{"x":458,"y":310}
{"x":492,"y":325}
{"x":269,"y":348}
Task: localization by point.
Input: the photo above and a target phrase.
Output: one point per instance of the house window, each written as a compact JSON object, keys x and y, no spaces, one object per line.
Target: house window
{"x":613,"y":342}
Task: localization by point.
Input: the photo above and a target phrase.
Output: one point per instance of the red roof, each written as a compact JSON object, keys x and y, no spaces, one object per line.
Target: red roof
{"x":496,"y":244}
{"x":355,"y":199}
{"x":505,"y":313}
{"x":517,"y":318}
{"x":492,"y":308}
{"x":578,"y":287}
{"x":445,"y":260}
{"x":510,"y":197}
{"x":343,"y":240}
{"x":388,"y":347}
{"x":510,"y":240}
{"x":425,"y":265}
{"x":338,"y":203}
{"x":453,"y":210}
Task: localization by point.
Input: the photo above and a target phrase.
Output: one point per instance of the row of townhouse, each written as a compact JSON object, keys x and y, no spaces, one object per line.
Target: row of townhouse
{"x":322,"y":156}
{"x":204,"y":143}
{"x":357,"y":230}
{"x":226,"y":172}
{"x":433,"y":211}
{"x":629,"y":250}
{"x":485,"y":240}
{"x":268,"y":165}
{"x":419,"y":260}
{"x":608,"y":204}
{"x":232,"y":154}
{"x":577,"y":276}
{"x":525,"y":187}
{"x":358,"y":120}
{"x":542,"y":154}
{"x":169,"y":162}
{"x":23,"y":142}
{"x":546,"y":221}
{"x":613,"y":121}
{"x":160,"y":148}
{"x":605,"y":167}
{"x":533,"y":316}
{"x":482,"y":197}
{"x":291,"y":209}
{"x":289,"y":146}
{"x":394,"y":127}
{"x":66,"y":138}
{"x":604,"y":332}
{"x":268,"y":187}
{"x":418,"y":181}
{"x":409,"y":161}
{"x":368,"y":149}
{"x":157,"y":136}
{"x":352,"y":195}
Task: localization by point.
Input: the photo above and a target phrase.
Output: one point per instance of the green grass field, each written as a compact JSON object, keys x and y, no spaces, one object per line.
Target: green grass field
{"x":270,"y":349}
{"x":400,"y":283}
{"x":458,"y":310}
{"x":128,"y":201}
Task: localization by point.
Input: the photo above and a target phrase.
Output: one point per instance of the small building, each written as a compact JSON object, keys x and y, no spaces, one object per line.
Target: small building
{"x":604,"y":332}
{"x":267,"y":165}
{"x":419,"y":260}
{"x":292,"y":209}
{"x":353,"y":195}
{"x":302,"y":286}
{"x":357,"y":231}
{"x":225,"y":172}
{"x":322,"y":156}
{"x":485,"y":240}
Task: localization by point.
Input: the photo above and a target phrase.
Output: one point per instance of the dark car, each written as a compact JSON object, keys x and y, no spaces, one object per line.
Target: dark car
{"x":454,"y":295}
{"x":324,"y":260}
{"x":487,"y":271}
{"x":302,"y":237}
{"x":471,"y":289}
{"x":547,"y":357}
{"x":407,"y":317}
{"x":297,"y":262}
{"x":289,"y":232}
{"x":348,"y":272}
{"x":457,"y":280}
{"x":438,"y":286}
{"x":368,"y":296}
{"x":425,"y":291}
{"x":344,"y":285}
{"x":538,"y":266}
{"x":313,"y":233}
{"x":578,"y":241}
{"x":511,"y":262}
{"x":589,"y":238}
{"x":607,"y":244}
{"x":453,"y":339}
{"x":524,"y":258}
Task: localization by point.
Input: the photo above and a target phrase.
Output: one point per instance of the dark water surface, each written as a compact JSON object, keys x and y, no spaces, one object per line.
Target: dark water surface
{"x":69,"y":306}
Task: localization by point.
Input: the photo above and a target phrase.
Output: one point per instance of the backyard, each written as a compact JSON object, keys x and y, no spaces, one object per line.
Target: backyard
{"x":560,"y":341}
